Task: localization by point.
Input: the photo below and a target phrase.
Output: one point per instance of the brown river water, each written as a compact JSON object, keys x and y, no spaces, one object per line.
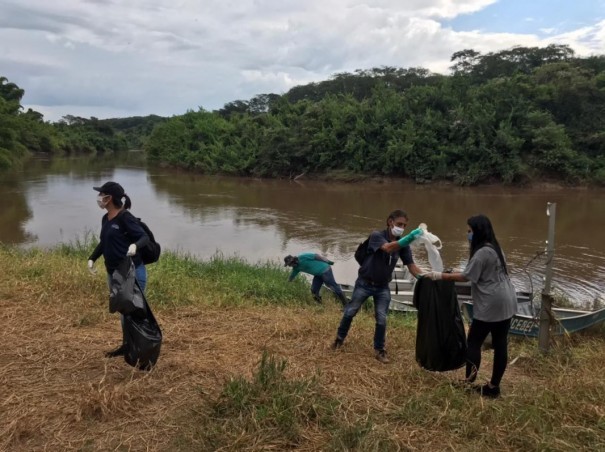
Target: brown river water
{"x":52,"y":201}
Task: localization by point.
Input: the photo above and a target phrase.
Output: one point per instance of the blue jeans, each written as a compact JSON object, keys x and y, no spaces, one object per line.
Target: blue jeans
{"x":382,"y":300}
{"x":140,"y":273}
{"x":326,"y":278}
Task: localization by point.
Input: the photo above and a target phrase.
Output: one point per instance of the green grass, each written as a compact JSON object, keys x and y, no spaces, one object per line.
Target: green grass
{"x":268,"y":407}
{"x":233,"y":281}
{"x":178,"y":279}
{"x":278,"y":412}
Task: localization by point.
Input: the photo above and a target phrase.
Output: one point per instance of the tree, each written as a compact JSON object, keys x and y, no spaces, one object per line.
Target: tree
{"x":465,"y":61}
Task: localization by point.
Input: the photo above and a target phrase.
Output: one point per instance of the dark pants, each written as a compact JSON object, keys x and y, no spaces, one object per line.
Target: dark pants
{"x":476,"y":336}
{"x":327,"y":278}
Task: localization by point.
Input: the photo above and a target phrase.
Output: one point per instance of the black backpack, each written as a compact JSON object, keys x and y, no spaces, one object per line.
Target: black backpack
{"x":150,"y":253}
{"x":362,"y":251}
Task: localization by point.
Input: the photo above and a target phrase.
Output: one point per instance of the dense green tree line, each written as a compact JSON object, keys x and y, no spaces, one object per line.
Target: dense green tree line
{"x":509,"y":116}
{"x":24,"y":132}
{"x":134,"y":129}
{"x":19,"y":131}
{"x":82,"y":135}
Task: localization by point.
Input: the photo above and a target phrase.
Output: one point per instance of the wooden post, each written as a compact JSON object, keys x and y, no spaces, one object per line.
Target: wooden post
{"x":546,"y":304}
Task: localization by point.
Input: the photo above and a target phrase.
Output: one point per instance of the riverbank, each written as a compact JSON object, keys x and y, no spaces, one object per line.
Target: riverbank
{"x":246,"y":365}
{"x":349,"y":177}
{"x":541,"y":184}
{"x":138,"y":157}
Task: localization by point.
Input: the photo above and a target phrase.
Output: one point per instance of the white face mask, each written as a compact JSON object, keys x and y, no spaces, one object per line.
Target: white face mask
{"x":102,"y":201}
{"x":397,"y":231}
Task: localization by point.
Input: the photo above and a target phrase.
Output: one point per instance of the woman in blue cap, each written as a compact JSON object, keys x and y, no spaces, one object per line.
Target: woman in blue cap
{"x":121,"y":236}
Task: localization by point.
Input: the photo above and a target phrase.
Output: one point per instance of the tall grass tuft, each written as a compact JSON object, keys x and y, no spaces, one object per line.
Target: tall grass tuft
{"x":269,"y":409}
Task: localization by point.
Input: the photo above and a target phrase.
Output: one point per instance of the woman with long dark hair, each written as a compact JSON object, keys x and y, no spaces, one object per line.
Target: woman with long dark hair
{"x":494,"y":301}
{"x":121,"y":237}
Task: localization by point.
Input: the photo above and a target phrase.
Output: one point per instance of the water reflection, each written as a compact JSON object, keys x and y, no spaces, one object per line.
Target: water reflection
{"x":265,"y":219}
{"x":15,"y":212}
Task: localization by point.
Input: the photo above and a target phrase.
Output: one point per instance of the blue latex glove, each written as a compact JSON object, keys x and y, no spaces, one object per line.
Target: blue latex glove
{"x":407,"y":239}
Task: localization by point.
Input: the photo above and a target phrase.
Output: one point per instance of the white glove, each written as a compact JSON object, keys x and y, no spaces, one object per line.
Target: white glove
{"x":132,"y":250}
{"x":91,"y":267}
{"x":435,"y":276}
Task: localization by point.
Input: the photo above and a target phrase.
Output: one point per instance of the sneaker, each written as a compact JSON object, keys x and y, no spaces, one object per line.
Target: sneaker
{"x":337,"y":343}
{"x":120,"y":351}
{"x":488,"y":391}
{"x":381,"y":355}
{"x":317,"y":298}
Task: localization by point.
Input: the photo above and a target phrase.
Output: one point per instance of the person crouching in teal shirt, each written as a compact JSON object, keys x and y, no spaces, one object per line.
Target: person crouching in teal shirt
{"x":319,"y":267}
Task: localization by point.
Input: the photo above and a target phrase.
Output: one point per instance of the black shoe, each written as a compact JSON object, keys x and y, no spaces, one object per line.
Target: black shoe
{"x":337,"y":343}
{"x":488,"y":391}
{"x":120,"y":351}
{"x":317,"y":298}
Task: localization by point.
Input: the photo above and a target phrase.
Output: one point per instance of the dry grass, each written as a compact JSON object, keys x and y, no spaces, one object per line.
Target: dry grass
{"x":210,"y":390}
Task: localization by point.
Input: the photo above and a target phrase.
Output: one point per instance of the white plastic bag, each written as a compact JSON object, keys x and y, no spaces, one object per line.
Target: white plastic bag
{"x":433,"y":244}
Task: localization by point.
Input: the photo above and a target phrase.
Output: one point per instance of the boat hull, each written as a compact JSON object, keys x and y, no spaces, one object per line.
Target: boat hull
{"x":566,"y":320}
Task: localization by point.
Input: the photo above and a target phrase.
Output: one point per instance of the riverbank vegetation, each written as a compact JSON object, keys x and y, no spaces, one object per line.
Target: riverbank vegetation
{"x":26,"y":132}
{"x":246,"y":365}
{"x":515,"y":116}
{"x":22,"y":133}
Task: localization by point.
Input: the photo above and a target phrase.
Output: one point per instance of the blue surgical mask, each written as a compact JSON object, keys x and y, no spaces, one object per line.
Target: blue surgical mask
{"x":469,"y":236}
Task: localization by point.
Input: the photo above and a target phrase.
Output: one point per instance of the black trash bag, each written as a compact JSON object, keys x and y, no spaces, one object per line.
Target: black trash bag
{"x":440,"y":338}
{"x":142,"y":339}
{"x":125,"y":295}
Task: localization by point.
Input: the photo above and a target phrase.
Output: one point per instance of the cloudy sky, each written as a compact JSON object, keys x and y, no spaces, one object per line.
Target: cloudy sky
{"x":116,"y":58}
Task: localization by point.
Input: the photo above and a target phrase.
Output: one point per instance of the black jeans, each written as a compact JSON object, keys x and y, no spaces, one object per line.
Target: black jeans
{"x":476,"y":336}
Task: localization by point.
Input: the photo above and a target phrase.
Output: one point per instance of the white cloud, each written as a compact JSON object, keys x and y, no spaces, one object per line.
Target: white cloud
{"x":585,"y":40}
{"x":110,"y":57}
{"x":282,"y":78}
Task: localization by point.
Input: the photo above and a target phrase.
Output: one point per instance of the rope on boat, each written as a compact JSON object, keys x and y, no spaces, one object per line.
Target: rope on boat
{"x":535,"y":318}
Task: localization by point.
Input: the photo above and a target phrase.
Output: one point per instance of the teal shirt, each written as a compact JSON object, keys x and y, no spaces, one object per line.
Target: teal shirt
{"x":308,"y":264}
